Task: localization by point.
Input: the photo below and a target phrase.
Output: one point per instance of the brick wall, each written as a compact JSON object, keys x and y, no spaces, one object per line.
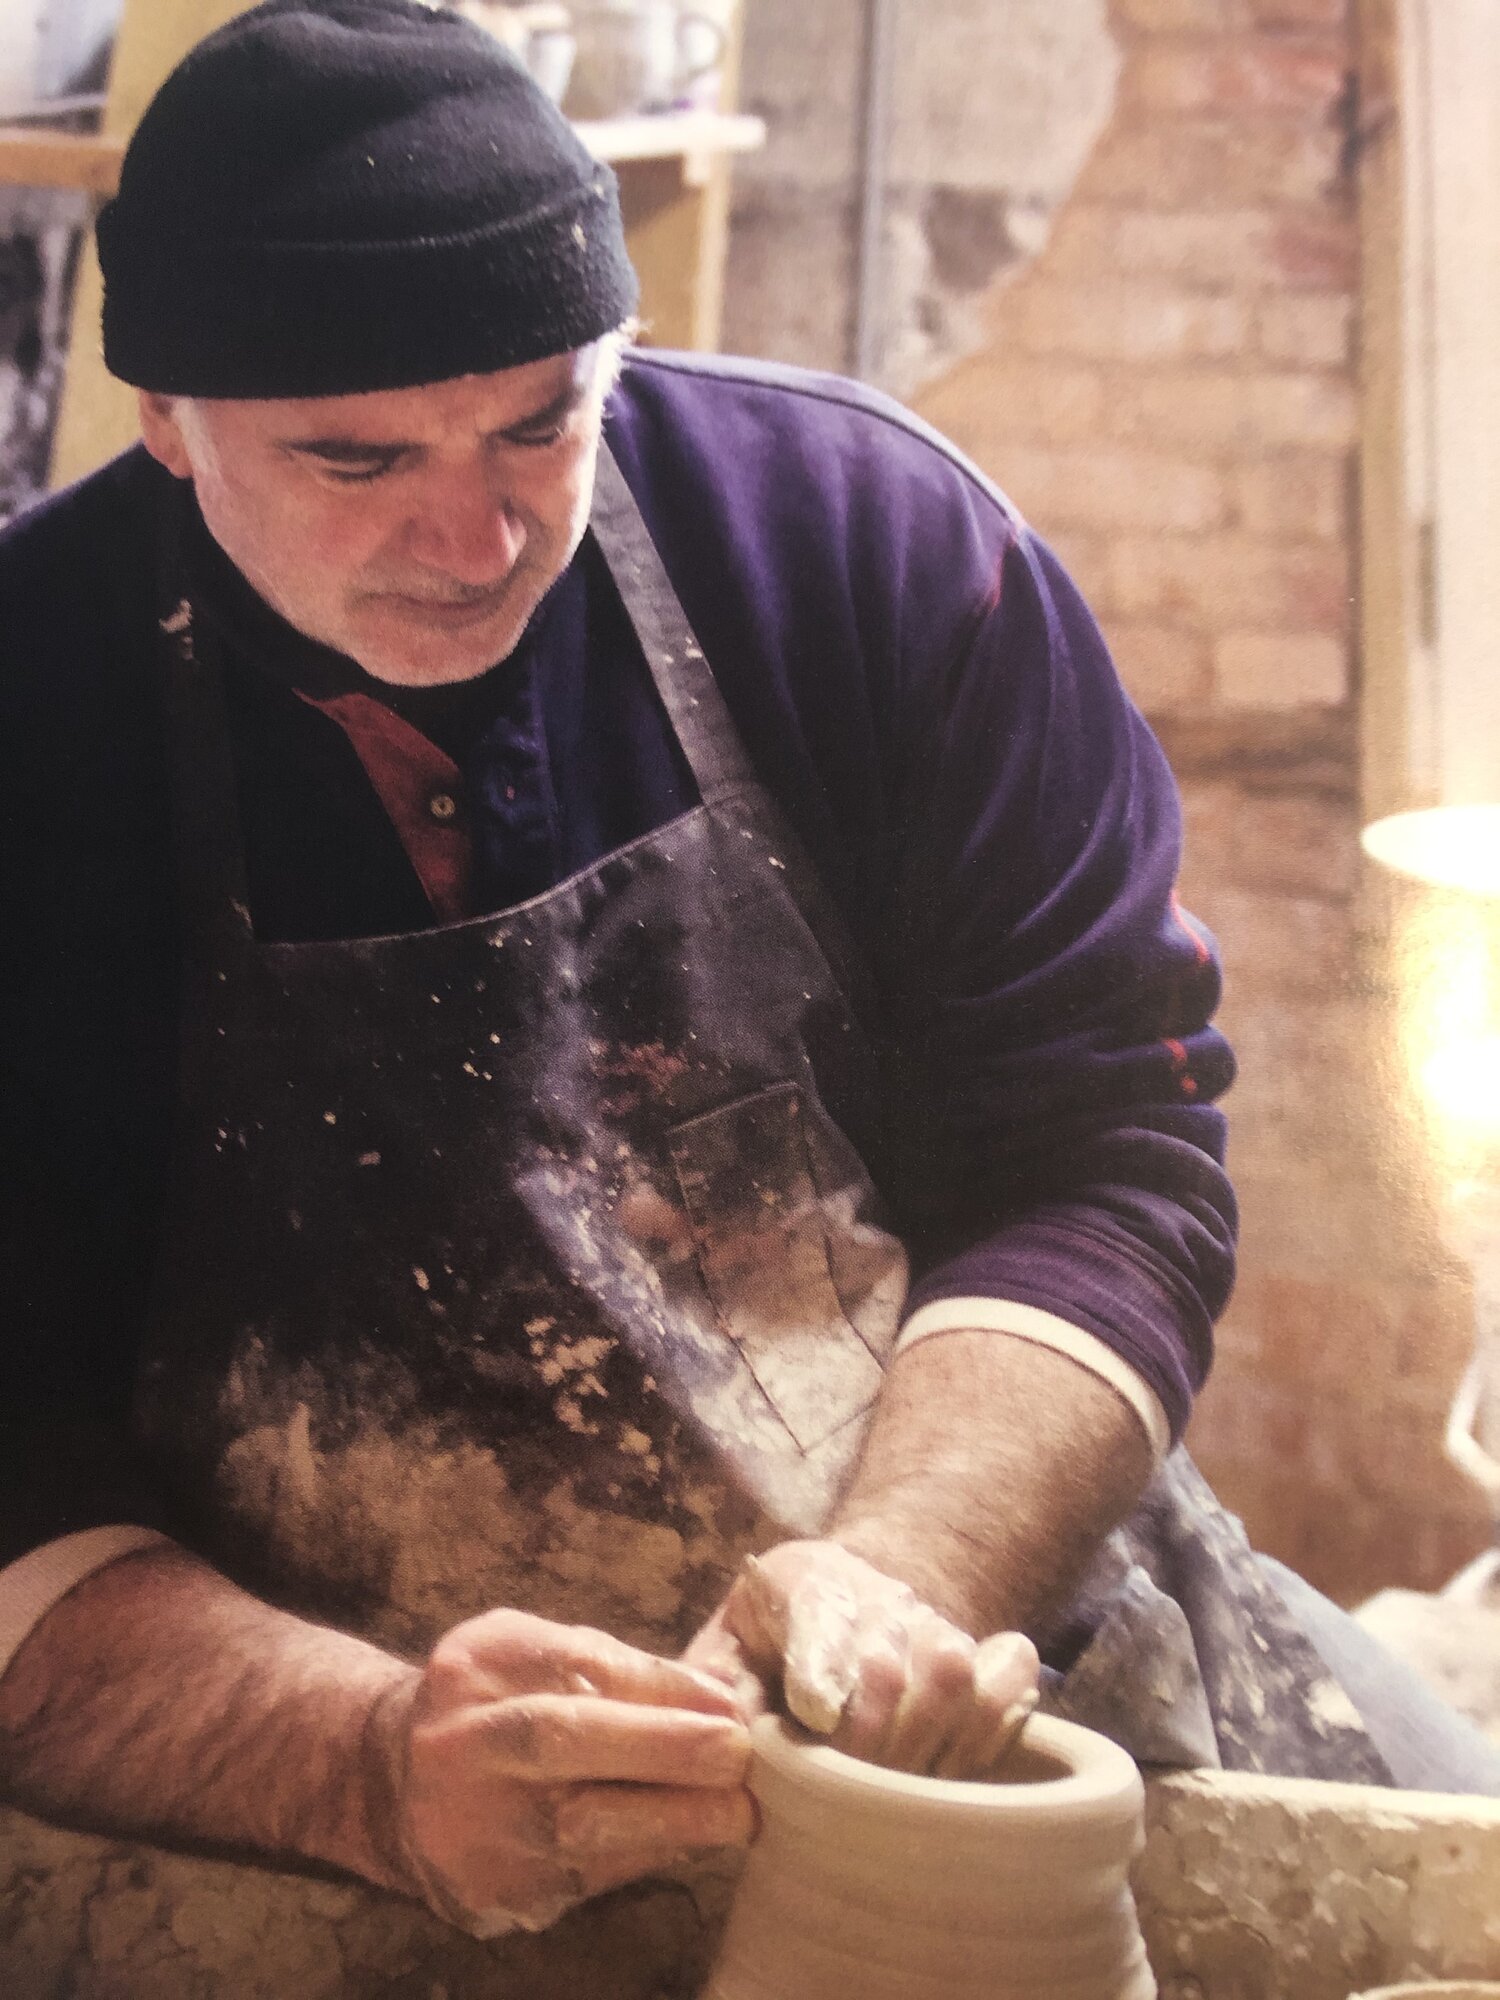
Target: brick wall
{"x":1169,"y":391}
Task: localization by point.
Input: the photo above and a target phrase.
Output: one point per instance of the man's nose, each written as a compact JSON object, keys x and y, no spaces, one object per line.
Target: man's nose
{"x":469,"y":531}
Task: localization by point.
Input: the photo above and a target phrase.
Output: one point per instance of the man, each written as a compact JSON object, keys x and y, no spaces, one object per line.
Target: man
{"x":603,"y":1066}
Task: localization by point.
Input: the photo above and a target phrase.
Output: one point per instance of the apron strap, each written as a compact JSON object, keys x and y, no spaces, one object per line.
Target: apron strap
{"x":700,"y":716}
{"x":208,"y":846}
{"x":688,"y":689}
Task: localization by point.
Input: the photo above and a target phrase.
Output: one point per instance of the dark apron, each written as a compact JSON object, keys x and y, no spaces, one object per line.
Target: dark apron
{"x":531,"y":1260}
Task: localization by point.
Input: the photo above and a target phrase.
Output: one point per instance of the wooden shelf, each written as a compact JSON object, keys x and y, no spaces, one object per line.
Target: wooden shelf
{"x":697,"y":138}
{"x":33,"y":157}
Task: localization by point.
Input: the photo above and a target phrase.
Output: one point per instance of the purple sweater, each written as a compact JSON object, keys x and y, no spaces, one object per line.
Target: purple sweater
{"x":915,"y":680}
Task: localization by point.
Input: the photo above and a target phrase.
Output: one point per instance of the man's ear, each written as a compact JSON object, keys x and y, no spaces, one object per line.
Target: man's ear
{"x":161,"y":432}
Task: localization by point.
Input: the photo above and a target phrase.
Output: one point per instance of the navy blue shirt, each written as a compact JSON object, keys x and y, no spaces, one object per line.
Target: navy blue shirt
{"x":915,"y":680}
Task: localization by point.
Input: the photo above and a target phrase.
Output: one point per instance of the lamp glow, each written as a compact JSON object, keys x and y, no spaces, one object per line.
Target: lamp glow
{"x":1462,"y":1082}
{"x":1450,"y":847}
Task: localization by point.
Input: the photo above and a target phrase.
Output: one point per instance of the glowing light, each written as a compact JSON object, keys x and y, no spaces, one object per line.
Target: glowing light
{"x":1452,"y":847}
{"x":1449,"y":960}
{"x":1462,"y":1081}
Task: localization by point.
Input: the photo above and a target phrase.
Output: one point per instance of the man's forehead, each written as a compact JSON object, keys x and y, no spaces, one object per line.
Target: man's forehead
{"x":493,"y":401}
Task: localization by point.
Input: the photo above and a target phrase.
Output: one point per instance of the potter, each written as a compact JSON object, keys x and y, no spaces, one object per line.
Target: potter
{"x":610,"y":1114}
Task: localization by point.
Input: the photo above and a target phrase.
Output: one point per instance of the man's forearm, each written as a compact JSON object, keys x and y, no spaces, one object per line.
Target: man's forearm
{"x":993,"y":1469}
{"x":158,"y":1699}
{"x":523,"y":1768}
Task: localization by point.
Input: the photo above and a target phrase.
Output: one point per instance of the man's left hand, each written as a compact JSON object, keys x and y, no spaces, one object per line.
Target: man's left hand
{"x":856,"y":1656}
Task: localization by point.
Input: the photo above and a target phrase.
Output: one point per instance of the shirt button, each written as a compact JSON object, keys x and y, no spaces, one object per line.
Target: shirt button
{"x":443,"y":805}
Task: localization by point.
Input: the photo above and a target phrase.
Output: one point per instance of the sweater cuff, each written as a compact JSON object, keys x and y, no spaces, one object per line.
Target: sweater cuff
{"x":34,"y":1583}
{"x":1045,"y":1329}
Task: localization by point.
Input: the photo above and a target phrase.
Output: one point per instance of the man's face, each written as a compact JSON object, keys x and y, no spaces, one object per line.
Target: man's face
{"x":414,"y":529}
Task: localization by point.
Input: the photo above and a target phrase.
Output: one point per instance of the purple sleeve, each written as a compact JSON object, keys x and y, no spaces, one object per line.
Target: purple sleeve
{"x":1053,"y":1136}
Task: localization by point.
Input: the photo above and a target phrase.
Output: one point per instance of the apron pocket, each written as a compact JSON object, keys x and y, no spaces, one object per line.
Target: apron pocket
{"x":761,"y":1232}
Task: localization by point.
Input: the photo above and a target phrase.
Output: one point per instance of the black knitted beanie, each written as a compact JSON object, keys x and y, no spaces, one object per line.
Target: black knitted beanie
{"x":329,"y":196}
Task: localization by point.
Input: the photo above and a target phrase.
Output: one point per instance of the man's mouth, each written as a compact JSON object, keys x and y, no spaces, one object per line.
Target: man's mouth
{"x":470,"y":608}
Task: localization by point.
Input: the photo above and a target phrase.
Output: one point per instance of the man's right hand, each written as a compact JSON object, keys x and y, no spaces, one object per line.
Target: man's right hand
{"x":528,"y":1765}
{"x":532,"y":1765}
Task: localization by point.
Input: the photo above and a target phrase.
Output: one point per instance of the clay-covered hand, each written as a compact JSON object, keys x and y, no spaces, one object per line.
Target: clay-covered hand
{"x":531,"y":1765}
{"x":856,"y":1656}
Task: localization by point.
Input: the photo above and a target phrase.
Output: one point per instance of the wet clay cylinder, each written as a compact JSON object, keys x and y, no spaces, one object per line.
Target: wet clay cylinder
{"x":871,"y":1882}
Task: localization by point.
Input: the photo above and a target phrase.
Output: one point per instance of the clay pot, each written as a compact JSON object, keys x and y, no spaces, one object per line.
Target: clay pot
{"x":891,"y":1887}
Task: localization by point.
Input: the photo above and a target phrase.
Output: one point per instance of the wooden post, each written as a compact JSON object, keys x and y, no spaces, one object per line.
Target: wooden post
{"x":1430,"y":465}
{"x":97,"y":415}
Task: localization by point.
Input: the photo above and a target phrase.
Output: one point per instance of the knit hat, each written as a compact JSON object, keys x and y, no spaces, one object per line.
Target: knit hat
{"x":329,"y":196}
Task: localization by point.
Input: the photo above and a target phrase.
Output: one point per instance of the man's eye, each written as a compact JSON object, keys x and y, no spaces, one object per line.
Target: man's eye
{"x":354,"y":475}
{"x":539,"y":440}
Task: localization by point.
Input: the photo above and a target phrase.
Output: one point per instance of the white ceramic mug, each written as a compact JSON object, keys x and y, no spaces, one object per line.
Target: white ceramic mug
{"x":706,"y":30}
{"x":640,"y":55}
{"x":537,"y":34}
{"x":20,"y":55}
{"x":550,"y":55}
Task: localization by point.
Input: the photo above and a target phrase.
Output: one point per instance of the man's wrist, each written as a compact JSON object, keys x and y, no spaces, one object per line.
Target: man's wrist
{"x":379,"y":1787}
{"x":948,"y":1570}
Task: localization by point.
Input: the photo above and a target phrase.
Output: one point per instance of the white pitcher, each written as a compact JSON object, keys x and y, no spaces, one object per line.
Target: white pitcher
{"x":641,"y":55}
